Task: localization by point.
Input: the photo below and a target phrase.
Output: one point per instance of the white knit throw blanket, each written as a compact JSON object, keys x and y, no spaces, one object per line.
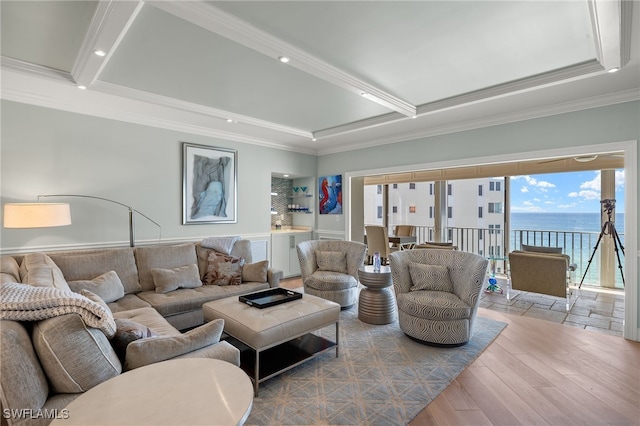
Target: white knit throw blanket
{"x":220,"y":244}
{"x":22,"y":302}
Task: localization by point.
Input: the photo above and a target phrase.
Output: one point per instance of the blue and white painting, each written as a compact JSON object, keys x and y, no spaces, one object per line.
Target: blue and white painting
{"x":330,"y":194}
{"x":209,"y":184}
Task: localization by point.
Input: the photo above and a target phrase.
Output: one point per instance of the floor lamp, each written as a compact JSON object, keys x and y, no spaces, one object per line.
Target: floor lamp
{"x":131,"y":211}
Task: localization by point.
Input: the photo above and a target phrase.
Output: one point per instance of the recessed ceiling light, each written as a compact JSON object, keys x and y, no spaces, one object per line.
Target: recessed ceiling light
{"x":229,"y":120}
{"x":81,"y":87}
{"x":612,"y":70}
{"x":283,"y":59}
{"x":99,"y":52}
{"x":314,"y":139}
{"x":285,"y":175}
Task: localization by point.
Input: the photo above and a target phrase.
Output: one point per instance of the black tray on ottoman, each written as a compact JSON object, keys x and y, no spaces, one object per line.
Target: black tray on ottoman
{"x":272,"y":297}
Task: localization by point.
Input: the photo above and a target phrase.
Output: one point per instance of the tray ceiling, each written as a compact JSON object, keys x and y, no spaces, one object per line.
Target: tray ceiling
{"x":359,"y":74}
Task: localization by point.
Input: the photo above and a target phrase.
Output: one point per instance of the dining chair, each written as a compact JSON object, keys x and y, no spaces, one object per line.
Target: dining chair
{"x":404,"y":231}
{"x":377,"y":241}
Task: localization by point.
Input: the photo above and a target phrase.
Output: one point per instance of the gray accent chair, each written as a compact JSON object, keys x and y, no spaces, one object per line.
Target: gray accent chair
{"x":437,"y":292}
{"x":326,"y":277}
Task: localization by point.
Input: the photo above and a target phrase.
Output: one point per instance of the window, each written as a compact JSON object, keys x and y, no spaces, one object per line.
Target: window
{"x":412,"y":185}
{"x":480,"y":190}
{"x":430,"y":189}
{"x":379,"y":212}
{"x":480,"y":234}
{"x":412,"y":209}
{"x":379,"y":189}
{"x":395,"y":186}
{"x":449,"y":189}
{"x":449,"y":212}
{"x":494,"y":229}
{"x":495,"y":186}
{"x":480,"y":212}
{"x":495,"y":207}
{"x":498,"y":186}
{"x":449,"y":234}
{"x":395,"y":209}
{"x":430,"y":212}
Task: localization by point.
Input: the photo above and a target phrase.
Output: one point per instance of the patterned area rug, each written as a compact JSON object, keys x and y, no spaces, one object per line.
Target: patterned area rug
{"x":380,"y":378}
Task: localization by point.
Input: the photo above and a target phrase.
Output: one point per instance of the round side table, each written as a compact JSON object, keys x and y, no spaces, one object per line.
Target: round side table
{"x":377,"y":303}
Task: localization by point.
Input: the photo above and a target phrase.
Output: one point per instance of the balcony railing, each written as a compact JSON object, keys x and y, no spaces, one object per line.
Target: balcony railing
{"x":490,"y":243}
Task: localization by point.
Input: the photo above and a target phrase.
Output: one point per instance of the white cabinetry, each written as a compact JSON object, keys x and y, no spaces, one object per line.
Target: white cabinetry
{"x":284,"y":255}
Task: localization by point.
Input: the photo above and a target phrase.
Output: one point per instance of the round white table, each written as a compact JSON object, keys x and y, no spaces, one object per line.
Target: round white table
{"x":189,"y":391}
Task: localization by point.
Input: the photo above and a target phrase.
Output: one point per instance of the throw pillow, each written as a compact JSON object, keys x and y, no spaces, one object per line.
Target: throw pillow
{"x":108,"y":286}
{"x":75,"y":357}
{"x":128,"y":331}
{"x":96,"y":299}
{"x":255,"y":272}
{"x":166,"y":280}
{"x":335,"y":261}
{"x":148,"y":351}
{"x":223,"y":269}
{"x":430,"y":277}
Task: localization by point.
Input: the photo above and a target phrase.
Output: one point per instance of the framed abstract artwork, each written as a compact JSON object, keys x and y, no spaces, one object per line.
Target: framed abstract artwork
{"x":209,"y":184}
{"x":330,"y":194}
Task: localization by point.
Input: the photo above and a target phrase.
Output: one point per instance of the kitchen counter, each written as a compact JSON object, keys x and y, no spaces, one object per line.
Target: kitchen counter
{"x":291,"y":230}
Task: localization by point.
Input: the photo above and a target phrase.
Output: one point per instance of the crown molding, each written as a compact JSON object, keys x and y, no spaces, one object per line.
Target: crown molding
{"x":226,"y":25}
{"x":110,"y":22}
{"x":27,"y":68}
{"x":630,"y":95}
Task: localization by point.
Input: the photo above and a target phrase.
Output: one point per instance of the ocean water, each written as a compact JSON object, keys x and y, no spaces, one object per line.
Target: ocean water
{"x":576,"y":233}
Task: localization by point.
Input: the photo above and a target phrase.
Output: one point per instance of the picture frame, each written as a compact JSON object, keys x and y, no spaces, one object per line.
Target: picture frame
{"x":209,"y":184}
{"x":330,"y":194}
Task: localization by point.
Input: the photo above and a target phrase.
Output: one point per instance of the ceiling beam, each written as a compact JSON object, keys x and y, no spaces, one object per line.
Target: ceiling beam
{"x":607,"y":22}
{"x":226,"y":25}
{"x":110,"y":23}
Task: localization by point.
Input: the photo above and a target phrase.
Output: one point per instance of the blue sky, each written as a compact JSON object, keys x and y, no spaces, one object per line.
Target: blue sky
{"x":575,"y":192}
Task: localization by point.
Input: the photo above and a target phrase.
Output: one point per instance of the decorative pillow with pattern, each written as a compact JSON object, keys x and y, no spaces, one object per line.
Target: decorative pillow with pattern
{"x":430,"y":277}
{"x":335,"y":261}
{"x":223,"y":269}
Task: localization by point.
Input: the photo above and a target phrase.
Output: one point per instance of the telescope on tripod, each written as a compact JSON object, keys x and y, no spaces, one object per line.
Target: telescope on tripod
{"x":608,"y":228}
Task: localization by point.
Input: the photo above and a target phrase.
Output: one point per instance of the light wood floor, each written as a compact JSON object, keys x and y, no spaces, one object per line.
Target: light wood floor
{"x":542,"y":373}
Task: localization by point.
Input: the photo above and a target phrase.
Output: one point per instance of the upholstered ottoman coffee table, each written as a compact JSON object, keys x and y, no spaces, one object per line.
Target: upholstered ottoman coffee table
{"x":275,"y":339}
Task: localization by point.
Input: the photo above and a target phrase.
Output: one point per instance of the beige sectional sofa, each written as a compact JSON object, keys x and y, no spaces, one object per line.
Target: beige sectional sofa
{"x":45,"y":364}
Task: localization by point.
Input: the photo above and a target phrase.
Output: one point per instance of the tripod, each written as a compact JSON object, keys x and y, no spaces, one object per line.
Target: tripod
{"x":608,"y":228}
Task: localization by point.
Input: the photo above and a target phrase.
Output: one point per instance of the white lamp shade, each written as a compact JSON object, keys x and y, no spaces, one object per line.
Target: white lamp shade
{"x":36,"y":215}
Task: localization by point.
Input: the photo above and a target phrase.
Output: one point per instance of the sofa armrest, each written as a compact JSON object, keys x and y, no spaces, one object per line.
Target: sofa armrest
{"x":274,"y":276}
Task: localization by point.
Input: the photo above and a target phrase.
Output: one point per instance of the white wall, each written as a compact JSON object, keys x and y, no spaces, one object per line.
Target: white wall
{"x":46,"y":151}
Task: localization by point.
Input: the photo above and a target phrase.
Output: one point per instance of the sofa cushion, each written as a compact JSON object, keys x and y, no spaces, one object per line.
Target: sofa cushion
{"x":9,"y":270}
{"x":256,"y":272}
{"x":335,"y":261}
{"x":38,"y":269}
{"x":86,"y":265}
{"x":166,"y":280}
{"x":149,"y":317}
{"x":430,"y":277}
{"x":74,"y":356}
{"x":127,"y":303}
{"x":223,"y":269}
{"x":155,"y":349}
{"x":108,"y":286}
{"x":330,"y":281}
{"x":169,"y":256}
{"x":433,"y":305}
{"x":191,"y":299}
{"x":128,"y":331}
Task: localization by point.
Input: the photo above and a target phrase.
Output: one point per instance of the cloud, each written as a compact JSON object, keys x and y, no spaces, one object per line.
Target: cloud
{"x":527,"y":203}
{"x":572,"y":194}
{"x":545,"y":184}
{"x":524,"y":189}
{"x":589,"y":195}
{"x":531,"y":181}
{"x":593,"y":184}
{"x":528,"y":209}
{"x":566,"y":206}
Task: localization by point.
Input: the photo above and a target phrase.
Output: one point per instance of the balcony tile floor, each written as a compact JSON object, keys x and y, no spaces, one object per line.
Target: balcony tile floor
{"x":593,"y":308}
